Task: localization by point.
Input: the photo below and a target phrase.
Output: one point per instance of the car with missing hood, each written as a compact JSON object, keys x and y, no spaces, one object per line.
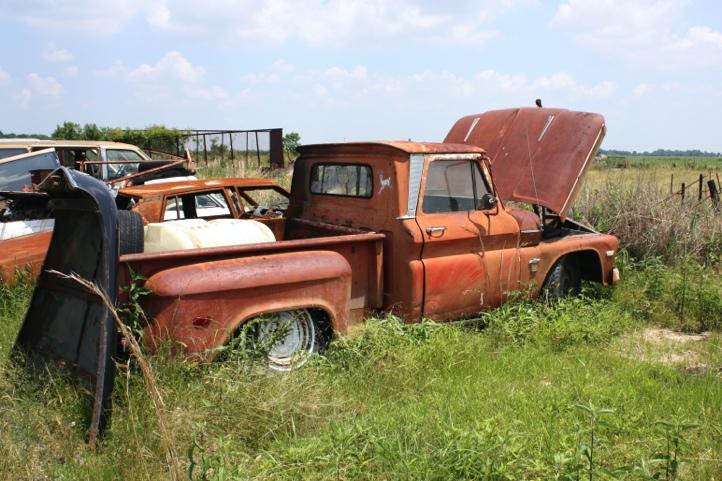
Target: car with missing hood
{"x":116,"y":163}
{"x":26,"y":221}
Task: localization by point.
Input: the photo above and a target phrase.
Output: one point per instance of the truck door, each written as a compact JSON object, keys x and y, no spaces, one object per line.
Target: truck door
{"x":466,"y":244}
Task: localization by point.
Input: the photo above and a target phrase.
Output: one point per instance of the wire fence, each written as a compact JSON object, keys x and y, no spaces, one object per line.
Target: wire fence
{"x":703,"y":188}
{"x":240,"y":149}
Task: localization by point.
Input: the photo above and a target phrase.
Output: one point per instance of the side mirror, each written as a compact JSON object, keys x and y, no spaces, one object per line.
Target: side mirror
{"x":486,"y":202}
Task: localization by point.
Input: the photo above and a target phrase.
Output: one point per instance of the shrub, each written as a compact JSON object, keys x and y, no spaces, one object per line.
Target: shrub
{"x":687,"y":296}
{"x":565,"y":323}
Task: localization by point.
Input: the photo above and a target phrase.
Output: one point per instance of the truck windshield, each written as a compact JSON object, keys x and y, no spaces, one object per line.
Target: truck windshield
{"x":116,"y":171}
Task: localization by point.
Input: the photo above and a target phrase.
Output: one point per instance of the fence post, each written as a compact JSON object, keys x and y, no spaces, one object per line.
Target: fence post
{"x":245,"y":163}
{"x":258,"y":152}
{"x":714,"y":194}
{"x":205,"y":150}
{"x":682,"y":192}
{"x":699,"y":191}
{"x":275,"y":149}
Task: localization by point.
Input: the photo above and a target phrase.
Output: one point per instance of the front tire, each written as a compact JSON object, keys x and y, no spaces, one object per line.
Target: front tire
{"x":563,"y":280}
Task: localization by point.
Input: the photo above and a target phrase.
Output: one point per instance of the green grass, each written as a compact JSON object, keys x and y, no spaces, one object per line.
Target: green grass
{"x":516,"y":396}
{"x":506,"y":399}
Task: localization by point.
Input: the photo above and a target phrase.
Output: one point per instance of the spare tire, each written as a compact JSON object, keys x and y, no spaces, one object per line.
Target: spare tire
{"x":130,"y":232}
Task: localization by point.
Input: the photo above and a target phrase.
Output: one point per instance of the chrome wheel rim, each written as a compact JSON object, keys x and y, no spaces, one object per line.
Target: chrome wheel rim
{"x":289,"y":337}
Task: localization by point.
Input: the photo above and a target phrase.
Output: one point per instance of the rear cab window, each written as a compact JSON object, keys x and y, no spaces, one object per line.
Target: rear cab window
{"x":345,"y":180}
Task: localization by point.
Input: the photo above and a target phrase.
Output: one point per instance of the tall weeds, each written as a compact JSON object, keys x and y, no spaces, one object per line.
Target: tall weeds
{"x":650,"y":223}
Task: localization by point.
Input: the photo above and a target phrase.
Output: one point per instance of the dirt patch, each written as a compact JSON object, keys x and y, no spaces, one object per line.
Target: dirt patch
{"x":665,"y":346}
{"x":669,"y":336}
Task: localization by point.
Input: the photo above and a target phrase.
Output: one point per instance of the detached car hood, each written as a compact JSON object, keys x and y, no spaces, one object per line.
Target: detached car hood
{"x":65,"y":322}
{"x":538,"y":155}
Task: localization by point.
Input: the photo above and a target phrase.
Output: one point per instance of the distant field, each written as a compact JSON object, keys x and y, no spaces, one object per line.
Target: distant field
{"x":654,"y":162}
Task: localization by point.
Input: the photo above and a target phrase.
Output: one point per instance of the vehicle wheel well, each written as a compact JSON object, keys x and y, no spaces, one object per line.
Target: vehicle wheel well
{"x":323,"y":320}
{"x":590,"y":267}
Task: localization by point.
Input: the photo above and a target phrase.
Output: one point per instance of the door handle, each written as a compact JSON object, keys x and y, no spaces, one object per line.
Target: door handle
{"x":431,"y":230}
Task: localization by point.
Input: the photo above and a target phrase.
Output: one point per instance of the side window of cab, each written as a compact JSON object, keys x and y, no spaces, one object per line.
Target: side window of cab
{"x":453,"y":186}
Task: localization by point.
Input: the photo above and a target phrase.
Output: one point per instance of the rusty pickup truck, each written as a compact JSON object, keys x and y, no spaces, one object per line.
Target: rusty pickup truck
{"x":424,"y":230}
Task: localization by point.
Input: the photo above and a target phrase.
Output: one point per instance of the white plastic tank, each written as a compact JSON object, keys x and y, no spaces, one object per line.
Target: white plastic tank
{"x":199,"y":233}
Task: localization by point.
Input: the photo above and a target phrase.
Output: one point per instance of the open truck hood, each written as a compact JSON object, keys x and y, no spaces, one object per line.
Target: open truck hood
{"x":538,"y":155}
{"x":65,"y":322}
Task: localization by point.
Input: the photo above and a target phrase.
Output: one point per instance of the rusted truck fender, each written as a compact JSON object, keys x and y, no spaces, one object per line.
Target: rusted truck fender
{"x":201,"y":306}
{"x":595,"y":254}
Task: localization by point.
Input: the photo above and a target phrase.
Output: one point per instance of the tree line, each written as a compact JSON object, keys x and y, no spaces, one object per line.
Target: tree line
{"x":158,"y":137}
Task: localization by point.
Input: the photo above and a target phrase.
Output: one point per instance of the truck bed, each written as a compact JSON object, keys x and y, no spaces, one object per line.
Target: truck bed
{"x":363,"y":250}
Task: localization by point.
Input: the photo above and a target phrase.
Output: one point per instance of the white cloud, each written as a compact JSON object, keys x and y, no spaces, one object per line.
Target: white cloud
{"x":172,"y":76}
{"x":4,"y":76}
{"x":74,"y":17}
{"x":699,"y":45}
{"x":273,"y":21}
{"x":48,"y":86}
{"x":556,"y":83}
{"x":261,"y":78}
{"x":282,"y":66}
{"x":115,"y":70}
{"x":311,"y":21}
{"x":643,"y":89}
{"x":470,"y":34}
{"x":55,"y":54}
{"x":344,"y":87}
{"x":24,"y":97}
{"x":359,"y":72}
{"x":646,"y":32}
{"x":172,"y":65}
{"x":207,"y":93}
{"x":71,"y":71}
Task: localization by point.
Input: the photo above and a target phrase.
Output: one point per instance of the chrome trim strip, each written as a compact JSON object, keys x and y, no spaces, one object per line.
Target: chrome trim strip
{"x":550,"y":119}
{"x":416,"y":168}
{"x":471,"y":128}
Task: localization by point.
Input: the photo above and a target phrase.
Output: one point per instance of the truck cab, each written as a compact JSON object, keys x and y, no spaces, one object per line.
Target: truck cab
{"x":445,"y":225}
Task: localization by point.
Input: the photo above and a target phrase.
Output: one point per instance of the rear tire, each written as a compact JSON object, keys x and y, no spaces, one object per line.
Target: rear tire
{"x":563,"y":280}
{"x":130,"y":232}
{"x":289,"y":338}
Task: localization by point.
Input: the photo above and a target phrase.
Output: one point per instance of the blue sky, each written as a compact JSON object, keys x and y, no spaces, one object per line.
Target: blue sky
{"x":378,"y":69}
